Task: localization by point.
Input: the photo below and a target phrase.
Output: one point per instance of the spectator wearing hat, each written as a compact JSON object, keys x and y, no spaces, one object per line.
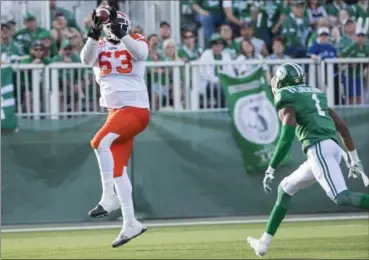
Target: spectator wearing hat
{"x":348,"y":37}
{"x":54,"y":9}
{"x":69,"y":82}
{"x":49,"y":44}
{"x":8,"y":50}
{"x":12,"y":25}
{"x":322,"y":49}
{"x":296,"y":30}
{"x":61,"y":32}
{"x":354,"y":81}
{"x":247,"y":33}
{"x":188,"y":51}
{"x":36,"y":56}
{"x":210,"y":85}
{"x":24,"y":37}
{"x":210,"y":15}
{"x":231,"y":46}
{"x":165,"y":32}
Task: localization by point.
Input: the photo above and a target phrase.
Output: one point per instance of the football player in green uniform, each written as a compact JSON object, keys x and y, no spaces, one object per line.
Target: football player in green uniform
{"x":304,"y":112}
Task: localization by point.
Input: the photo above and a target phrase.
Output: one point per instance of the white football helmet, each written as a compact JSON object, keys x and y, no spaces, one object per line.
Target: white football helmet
{"x":122,"y":19}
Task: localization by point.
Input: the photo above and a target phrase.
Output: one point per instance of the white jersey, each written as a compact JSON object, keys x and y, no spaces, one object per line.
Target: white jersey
{"x":120,"y":70}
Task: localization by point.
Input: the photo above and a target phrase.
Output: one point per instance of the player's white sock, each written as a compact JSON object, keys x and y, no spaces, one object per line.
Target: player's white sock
{"x":106,"y":164}
{"x":266,"y":238}
{"x":123,"y":187}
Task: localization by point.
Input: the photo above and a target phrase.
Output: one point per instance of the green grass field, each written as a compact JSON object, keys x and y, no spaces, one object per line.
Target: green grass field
{"x":334,"y":239}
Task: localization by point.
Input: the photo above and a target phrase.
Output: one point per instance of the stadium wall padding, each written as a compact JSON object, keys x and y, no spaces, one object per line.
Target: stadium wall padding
{"x":183,"y":165}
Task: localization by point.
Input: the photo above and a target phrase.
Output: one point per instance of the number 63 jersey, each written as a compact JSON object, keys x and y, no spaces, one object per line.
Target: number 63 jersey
{"x":119,"y":74}
{"x":313,"y":123}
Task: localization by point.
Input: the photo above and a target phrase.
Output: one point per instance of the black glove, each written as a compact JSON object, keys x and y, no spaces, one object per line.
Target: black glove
{"x":96,"y":27}
{"x":119,"y":29}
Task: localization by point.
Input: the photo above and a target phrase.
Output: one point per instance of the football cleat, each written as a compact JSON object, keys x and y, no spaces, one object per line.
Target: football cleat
{"x":259,"y":247}
{"x":128,"y":233}
{"x":105,"y":207}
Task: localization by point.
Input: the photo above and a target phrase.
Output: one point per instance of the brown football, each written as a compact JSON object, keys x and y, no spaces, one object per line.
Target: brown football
{"x":103,"y":14}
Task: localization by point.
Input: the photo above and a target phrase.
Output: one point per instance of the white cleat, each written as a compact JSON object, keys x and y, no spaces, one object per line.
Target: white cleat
{"x":105,"y":206}
{"x":259,"y":247}
{"x":128,"y":233}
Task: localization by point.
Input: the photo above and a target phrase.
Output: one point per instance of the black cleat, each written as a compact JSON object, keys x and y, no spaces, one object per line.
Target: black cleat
{"x":98,"y":212}
{"x":123,"y":239}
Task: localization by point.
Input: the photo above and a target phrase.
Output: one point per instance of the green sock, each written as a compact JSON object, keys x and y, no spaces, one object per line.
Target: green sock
{"x":364,"y":201}
{"x":278,"y":213}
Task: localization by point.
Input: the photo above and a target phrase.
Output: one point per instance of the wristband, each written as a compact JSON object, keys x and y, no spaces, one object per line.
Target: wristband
{"x":270,"y":170}
{"x":354,"y":156}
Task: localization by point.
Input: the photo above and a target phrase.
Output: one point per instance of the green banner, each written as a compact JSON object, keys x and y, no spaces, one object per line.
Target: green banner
{"x":255,"y":120}
{"x":8,"y":118}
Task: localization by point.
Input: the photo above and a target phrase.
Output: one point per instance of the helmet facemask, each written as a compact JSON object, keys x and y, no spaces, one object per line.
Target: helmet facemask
{"x":122,"y":20}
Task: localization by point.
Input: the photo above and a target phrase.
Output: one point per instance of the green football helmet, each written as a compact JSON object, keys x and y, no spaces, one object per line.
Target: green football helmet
{"x":288,"y":74}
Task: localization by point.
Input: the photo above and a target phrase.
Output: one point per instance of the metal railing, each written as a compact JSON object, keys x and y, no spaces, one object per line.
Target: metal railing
{"x":67,"y":89}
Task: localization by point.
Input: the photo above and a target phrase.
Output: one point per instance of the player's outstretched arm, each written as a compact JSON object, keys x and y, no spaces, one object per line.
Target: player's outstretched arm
{"x":344,"y":133}
{"x":288,"y":118}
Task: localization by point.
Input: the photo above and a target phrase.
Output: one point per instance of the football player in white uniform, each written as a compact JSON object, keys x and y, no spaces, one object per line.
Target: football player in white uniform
{"x":119,"y":66}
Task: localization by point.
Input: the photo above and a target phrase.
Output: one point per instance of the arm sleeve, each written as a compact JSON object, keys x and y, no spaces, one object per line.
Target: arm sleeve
{"x":89,"y":52}
{"x":283,"y":146}
{"x":312,"y":50}
{"x":137,"y":46}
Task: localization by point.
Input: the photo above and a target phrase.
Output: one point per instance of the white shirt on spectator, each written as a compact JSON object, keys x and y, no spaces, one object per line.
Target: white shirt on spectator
{"x":258,"y":44}
{"x":245,"y":68}
{"x":207,"y":72}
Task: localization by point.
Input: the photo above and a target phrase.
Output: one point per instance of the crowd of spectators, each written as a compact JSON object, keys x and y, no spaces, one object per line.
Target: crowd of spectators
{"x":232,"y":30}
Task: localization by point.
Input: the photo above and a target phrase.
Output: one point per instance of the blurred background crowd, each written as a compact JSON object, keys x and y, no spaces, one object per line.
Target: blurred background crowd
{"x":210,"y":30}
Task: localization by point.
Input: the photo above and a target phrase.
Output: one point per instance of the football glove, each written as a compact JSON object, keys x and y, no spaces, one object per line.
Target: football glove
{"x":268,"y":178}
{"x":96,"y":27}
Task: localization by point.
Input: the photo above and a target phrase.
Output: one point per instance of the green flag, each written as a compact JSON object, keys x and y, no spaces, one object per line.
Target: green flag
{"x":255,"y":120}
{"x":8,"y":118}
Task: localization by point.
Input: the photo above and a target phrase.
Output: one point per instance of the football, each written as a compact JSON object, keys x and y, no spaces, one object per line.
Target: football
{"x":103,"y":14}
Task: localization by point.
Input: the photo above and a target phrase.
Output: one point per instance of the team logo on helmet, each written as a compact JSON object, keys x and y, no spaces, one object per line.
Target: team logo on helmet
{"x":281,"y":73}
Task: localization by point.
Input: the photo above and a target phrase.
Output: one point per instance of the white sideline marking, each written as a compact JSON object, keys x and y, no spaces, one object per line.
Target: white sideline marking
{"x":177,"y":223}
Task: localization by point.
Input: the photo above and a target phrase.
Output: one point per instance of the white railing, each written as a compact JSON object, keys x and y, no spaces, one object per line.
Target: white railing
{"x":67,"y":89}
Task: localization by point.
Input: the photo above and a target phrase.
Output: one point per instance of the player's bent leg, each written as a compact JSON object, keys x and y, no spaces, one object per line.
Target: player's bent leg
{"x":355,"y":199}
{"x":298,"y":180}
{"x":131,"y":227}
{"x":101,"y":144}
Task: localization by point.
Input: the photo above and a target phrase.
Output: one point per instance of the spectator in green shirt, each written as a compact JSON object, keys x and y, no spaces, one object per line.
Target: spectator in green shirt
{"x":70,"y":90}
{"x":24,"y":37}
{"x":48,"y":43}
{"x":188,"y":50}
{"x":165,"y":32}
{"x":334,"y":7}
{"x":347,"y":39}
{"x":67,"y":14}
{"x":296,"y":30}
{"x":231,"y":46}
{"x":7,"y":51}
{"x":360,"y":10}
{"x":36,"y":56}
{"x":237,"y":12}
{"x":209,"y":14}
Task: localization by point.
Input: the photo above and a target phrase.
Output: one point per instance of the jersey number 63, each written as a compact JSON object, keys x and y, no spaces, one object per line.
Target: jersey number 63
{"x":106,"y":67}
